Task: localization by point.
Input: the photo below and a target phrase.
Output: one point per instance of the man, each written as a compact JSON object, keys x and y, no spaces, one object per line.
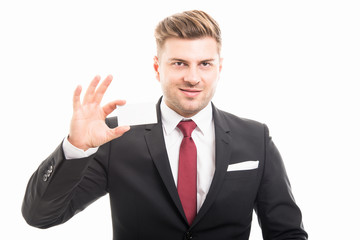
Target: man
{"x":196,"y":174}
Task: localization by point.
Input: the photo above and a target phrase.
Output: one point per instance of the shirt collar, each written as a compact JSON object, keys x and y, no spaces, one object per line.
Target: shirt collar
{"x":170,"y":118}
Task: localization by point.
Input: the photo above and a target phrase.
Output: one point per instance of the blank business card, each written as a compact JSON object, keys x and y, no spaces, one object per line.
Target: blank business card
{"x":136,"y":113}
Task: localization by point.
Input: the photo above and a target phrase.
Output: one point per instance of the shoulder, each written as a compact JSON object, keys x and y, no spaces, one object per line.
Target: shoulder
{"x":236,"y":119}
{"x":235,"y":122}
{"x":241,"y":129}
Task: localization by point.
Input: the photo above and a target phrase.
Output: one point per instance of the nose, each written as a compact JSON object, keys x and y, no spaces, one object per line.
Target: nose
{"x":192,"y":76}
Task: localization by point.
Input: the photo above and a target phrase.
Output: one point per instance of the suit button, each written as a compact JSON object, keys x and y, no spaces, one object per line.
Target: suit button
{"x":188,"y":236}
{"x":45,"y":177}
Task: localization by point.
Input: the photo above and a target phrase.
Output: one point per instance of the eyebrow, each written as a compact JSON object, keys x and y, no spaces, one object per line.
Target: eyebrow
{"x":182,"y":60}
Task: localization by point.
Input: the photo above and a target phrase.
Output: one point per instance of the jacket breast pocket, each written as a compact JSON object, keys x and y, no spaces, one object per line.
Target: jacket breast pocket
{"x":242,"y":174}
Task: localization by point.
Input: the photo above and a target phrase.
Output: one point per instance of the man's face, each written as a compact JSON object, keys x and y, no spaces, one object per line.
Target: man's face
{"x":188,"y":71}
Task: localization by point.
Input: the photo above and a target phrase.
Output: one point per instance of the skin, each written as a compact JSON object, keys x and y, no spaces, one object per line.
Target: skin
{"x":88,"y":128}
{"x":188,"y":72}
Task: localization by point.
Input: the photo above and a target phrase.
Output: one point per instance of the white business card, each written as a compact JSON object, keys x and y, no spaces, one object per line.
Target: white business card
{"x":136,"y":113}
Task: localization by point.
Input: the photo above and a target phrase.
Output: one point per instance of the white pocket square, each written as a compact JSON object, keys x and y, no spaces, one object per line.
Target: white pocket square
{"x":248,"y":165}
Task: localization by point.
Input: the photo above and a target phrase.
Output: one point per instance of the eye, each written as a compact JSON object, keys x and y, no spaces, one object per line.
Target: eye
{"x":206,"y":64}
{"x":179,"y":64}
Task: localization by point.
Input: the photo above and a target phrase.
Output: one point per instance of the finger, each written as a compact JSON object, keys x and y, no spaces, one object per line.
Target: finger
{"x":76,"y":98}
{"x":89,"y":95}
{"x":118,"y":132}
{"x":110,"y":107}
{"x":102,"y":89}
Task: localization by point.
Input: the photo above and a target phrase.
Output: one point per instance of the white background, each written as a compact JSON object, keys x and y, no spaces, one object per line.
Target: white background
{"x":294,"y":65}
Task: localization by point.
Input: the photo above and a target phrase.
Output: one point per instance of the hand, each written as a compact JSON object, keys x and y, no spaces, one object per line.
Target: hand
{"x":88,"y":128}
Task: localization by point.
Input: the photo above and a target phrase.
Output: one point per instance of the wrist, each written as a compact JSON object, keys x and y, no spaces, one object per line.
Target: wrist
{"x":77,"y":144}
{"x":72,"y":152}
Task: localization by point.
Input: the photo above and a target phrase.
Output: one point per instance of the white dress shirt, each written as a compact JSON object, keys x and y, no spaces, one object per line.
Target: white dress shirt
{"x":203,"y":136}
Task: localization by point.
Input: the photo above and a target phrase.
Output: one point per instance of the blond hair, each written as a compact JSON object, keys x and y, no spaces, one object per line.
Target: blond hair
{"x":193,"y":24}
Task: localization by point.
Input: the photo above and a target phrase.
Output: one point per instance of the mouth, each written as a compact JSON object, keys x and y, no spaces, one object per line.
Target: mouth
{"x":189,"y":92}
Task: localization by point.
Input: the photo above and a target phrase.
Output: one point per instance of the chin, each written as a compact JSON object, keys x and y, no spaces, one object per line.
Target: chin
{"x":191,"y":110}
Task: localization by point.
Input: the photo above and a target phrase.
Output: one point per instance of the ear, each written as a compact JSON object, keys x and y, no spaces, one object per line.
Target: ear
{"x":221,"y":64}
{"x":156,"y":68}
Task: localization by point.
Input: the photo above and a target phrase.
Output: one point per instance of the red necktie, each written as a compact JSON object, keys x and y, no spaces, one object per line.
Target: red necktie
{"x":187,"y":180}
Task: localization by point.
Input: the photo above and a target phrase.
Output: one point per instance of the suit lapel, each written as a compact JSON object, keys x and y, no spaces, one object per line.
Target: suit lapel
{"x":156,"y":145}
{"x":222,"y":157}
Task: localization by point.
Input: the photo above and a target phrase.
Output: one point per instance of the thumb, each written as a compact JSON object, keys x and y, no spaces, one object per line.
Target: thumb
{"x":118,"y":132}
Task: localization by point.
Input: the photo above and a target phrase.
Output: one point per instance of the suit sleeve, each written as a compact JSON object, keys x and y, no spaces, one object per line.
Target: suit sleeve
{"x":279,"y":216}
{"x":60,"y":188}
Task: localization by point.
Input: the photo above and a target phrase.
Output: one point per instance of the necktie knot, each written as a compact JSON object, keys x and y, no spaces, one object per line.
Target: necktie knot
{"x":186,"y":127}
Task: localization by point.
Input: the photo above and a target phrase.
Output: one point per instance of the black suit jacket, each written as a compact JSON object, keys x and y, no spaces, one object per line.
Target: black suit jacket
{"x":134,"y":169}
